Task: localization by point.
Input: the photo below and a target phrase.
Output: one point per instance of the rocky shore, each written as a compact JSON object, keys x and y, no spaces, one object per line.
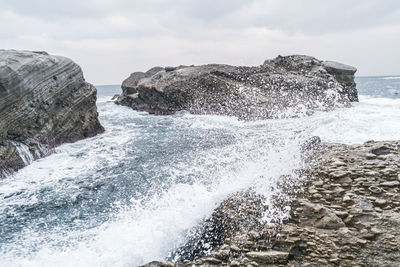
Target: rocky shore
{"x":44,"y":102}
{"x":346,"y":213}
{"x":282,"y":87}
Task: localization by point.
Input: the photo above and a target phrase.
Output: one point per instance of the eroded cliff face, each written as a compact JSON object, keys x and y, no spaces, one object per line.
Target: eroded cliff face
{"x":283,"y":87}
{"x":44,"y":102}
{"x":346,"y":213}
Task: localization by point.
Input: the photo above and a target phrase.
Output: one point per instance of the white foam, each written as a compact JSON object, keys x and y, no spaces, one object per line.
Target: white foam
{"x":391,"y":78}
{"x":370,"y":119}
{"x":148,"y":232}
{"x":24,"y":153}
{"x":150,"y":228}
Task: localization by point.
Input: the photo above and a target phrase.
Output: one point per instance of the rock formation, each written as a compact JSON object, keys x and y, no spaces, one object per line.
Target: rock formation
{"x":44,"y":102}
{"x":283,"y":87}
{"x":347,"y":214}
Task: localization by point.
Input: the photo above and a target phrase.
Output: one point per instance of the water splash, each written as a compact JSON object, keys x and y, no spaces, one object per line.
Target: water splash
{"x":25,"y":154}
{"x":130,"y":195}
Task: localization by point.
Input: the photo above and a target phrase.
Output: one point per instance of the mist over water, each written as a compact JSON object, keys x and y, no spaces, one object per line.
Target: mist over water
{"x":130,"y":195}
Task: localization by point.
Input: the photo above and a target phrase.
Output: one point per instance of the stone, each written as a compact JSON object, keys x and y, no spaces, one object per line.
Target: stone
{"x":345,"y":180}
{"x":222,"y":254}
{"x":156,"y":264}
{"x":318,"y":183}
{"x":212,"y":260}
{"x":342,"y":214}
{"x":266,"y":257}
{"x":235,"y":248}
{"x":234,"y":263}
{"x":330,"y":221}
{"x":339,"y":174}
{"x":287,"y":86}
{"x":381,"y":202}
{"x":370,"y":156}
{"x":381,"y":150}
{"x":390,"y":184}
{"x":44,"y":102}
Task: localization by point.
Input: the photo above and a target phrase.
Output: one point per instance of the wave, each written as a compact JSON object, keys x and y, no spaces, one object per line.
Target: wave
{"x":391,"y":78}
{"x":132,"y":194}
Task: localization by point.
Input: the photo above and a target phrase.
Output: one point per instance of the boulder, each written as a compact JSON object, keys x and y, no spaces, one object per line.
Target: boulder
{"x":287,"y":86}
{"x":44,"y":102}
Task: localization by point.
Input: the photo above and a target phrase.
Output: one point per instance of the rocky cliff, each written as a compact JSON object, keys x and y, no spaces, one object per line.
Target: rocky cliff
{"x":347,"y":213}
{"x":44,"y":102}
{"x":283,"y":87}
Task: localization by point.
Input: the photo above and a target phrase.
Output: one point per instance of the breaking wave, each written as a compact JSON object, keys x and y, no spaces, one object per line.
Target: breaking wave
{"x":130,"y":195}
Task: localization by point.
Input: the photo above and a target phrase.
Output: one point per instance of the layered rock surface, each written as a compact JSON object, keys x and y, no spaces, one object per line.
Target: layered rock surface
{"x":347,"y":214}
{"x":44,"y":101}
{"x":283,"y":87}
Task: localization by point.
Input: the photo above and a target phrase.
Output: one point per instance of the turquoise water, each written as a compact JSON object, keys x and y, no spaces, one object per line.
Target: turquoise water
{"x":379,"y":86}
{"x":132,"y":194}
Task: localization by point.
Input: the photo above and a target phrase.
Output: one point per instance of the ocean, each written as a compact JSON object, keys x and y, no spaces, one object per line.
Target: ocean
{"x":141,"y":190}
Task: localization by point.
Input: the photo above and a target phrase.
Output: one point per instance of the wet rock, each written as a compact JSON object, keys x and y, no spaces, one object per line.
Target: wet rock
{"x":44,"y":102}
{"x":158,"y":264}
{"x":357,"y":224}
{"x":382,"y":150}
{"x":282,"y":87}
{"x":344,"y":74}
{"x":266,"y":257}
{"x":329,"y":221}
{"x":391,"y":184}
{"x":212,"y":261}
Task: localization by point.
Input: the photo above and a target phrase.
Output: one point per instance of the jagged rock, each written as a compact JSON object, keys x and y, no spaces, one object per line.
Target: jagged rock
{"x":44,"y":102}
{"x":330,"y":221}
{"x":283,"y":87}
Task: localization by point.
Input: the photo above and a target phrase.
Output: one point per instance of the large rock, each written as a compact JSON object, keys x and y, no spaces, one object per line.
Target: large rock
{"x":44,"y":102}
{"x":283,"y":87}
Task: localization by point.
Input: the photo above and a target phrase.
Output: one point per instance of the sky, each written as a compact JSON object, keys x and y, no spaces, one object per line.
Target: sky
{"x":110,"y":39}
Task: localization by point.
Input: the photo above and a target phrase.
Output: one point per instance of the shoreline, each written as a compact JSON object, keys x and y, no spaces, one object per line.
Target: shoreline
{"x":347,"y":213}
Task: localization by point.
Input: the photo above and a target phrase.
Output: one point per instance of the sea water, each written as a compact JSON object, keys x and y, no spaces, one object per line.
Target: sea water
{"x":133,"y":194}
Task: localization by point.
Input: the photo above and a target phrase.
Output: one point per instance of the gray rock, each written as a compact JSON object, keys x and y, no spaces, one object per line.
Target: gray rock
{"x":283,"y":87}
{"x":381,"y":150}
{"x":271,"y":256}
{"x":158,"y":264}
{"x":330,"y":221}
{"x":345,"y":75}
{"x":44,"y":102}
{"x":339,"y":68}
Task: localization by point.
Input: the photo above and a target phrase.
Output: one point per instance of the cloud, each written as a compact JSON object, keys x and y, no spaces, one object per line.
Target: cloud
{"x":111,"y":38}
{"x":319,"y":17}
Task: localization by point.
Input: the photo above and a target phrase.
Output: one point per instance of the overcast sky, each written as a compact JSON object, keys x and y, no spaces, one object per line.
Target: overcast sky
{"x":112,"y":38}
